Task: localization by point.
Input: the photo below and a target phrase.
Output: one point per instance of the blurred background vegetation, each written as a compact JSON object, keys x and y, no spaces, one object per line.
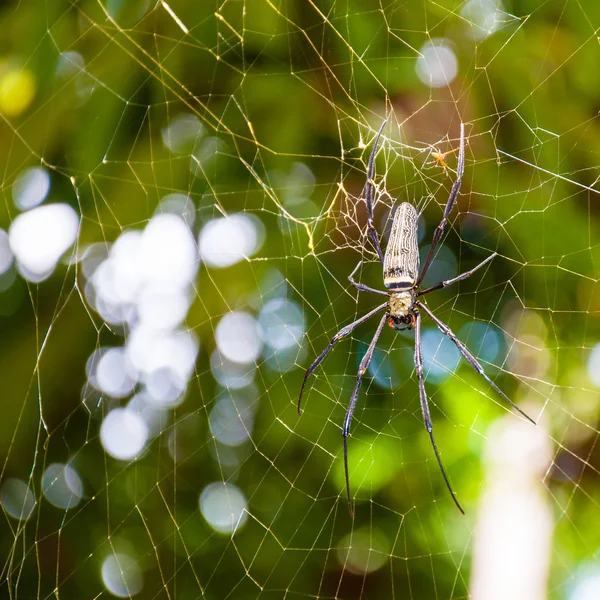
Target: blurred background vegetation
{"x":280,"y":102}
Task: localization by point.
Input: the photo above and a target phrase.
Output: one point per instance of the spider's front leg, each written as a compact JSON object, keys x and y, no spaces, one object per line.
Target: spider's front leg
{"x":361,"y":287}
{"x":461,"y":277}
{"x":369,"y":192}
{"x":338,"y":336}
{"x":449,"y":205}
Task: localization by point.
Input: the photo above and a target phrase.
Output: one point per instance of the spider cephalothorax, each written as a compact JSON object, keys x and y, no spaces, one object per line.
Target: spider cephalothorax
{"x":402,"y":281}
{"x":401,"y":309}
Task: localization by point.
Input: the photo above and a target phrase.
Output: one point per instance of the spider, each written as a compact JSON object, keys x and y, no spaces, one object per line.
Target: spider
{"x":440,"y":157}
{"x":402,"y":310}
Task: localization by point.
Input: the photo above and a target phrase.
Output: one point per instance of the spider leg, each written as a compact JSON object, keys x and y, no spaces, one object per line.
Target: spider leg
{"x":425,"y":405}
{"x":364,"y":365}
{"x":361,"y":287}
{"x":470,"y":358}
{"x":369,"y":195}
{"x":449,"y":205}
{"x":443,"y":284}
{"x":338,"y":336}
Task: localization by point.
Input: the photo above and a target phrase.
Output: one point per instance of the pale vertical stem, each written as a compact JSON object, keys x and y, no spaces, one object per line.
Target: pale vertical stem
{"x":513,"y":533}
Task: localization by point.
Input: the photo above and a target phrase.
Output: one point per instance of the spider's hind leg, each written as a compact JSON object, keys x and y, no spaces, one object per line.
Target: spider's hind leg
{"x":364,"y":365}
{"x":425,"y":405}
{"x":471,"y":359}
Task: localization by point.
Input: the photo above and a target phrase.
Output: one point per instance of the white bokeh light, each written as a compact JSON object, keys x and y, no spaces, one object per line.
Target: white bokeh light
{"x":228,"y":457}
{"x":124,"y":434}
{"x":31,"y":188}
{"x":230,"y":374}
{"x":143,"y":281}
{"x":168,"y":251}
{"x":594,"y":365}
{"x":482,"y":339}
{"x":440,"y":356}
{"x":92,"y":256}
{"x":62,"y":486}
{"x":231,"y":420}
{"x":70,"y":67}
{"x":118,"y":279}
{"x":178,"y":204}
{"x":586,"y":584}
{"x":39,"y":237}
{"x":146,"y":269}
{"x":204,"y":154}
{"x":437,"y":65}
{"x":162,"y":307}
{"x":163,"y":357}
{"x":122,"y":575}
{"x":70,"y":63}
{"x":92,"y":363}
{"x":6,"y":256}
{"x":239,"y":337}
{"x":16,"y":498}
{"x":155,"y":417}
{"x":363,"y":551}
{"x":295,"y":187}
{"x":485,"y":16}
{"x":228,"y":240}
{"x":113,"y":313}
{"x":223,"y":505}
{"x":282,"y":324}
{"x":114,"y":375}
{"x":183,"y":133}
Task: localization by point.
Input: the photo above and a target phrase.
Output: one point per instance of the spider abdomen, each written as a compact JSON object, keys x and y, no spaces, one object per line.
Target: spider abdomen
{"x":401,"y":262}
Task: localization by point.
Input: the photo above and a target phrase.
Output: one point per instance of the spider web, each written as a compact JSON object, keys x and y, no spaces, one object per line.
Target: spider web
{"x":182,"y":190}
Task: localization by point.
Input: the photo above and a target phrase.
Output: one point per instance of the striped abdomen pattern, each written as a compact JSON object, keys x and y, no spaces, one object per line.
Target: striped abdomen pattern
{"x":401,"y":261}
